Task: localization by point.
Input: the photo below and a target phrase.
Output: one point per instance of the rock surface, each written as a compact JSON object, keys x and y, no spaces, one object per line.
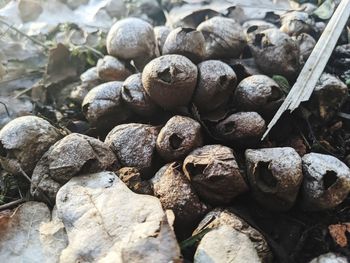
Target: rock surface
{"x":122,"y":226}
{"x":225,"y":244}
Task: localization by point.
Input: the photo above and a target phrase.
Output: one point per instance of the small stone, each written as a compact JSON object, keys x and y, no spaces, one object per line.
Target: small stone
{"x":223,"y":217}
{"x":274,"y":176}
{"x":215,"y":86}
{"x":326,"y":182}
{"x":135,"y":145}
{"x":112,"y":69}
{"x":225,"y":245}
{"x":23,"y":141}
{"x":175,"y":192}
{"x":214,"y":173}
{"x":178,"y":137}
{"x":132,"y":178}
{"x":170,"y":80}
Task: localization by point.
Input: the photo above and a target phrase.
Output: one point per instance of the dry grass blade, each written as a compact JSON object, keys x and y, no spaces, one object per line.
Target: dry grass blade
{"x":316,"y":63}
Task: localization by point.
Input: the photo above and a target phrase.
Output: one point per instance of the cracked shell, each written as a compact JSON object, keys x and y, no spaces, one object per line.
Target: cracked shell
{"x":178,"y":137}
{"x":214,"y":173}
{"x":73,"y":155}
{"x":23,"y":141}
{"x":274,"y":176}
{"x":170,"y":80}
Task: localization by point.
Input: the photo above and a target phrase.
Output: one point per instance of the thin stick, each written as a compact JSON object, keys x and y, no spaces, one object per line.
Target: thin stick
{"x":316,"y":63}
{"x":24,"y":34}
{"x":12,"y":204}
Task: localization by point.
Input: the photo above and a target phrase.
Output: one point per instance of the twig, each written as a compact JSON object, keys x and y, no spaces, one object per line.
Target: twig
{"x":24,"y":34}
{"x":12,"y":204}
{"x":316,"y":63}
{"x":5,"y":106}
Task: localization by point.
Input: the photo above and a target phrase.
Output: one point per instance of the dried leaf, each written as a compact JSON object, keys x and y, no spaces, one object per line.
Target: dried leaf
{"x":338,"y":233}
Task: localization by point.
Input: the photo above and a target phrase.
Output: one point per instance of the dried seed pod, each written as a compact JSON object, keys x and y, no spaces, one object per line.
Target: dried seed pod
{"x":328,"y":96}
{"x":103,"y":107}
{"x":161,"y":33}
{"x":187,"y":42}
{"x":134,"y":144}
{"x":110,"y":68}
{"x":258,"y":93}
{"x":296,"y":22}
{"x":224,"y":38}
{"x":225,"y":244}
{"x":170,"y":80}
{"x":136,"y":98}
{"x":216,"y":83}
{"x":23,"y":141}
{"x":90,"y":77}
{"x":221,"y":217}
{"x":131,"y":39}
{"x":73,"y":155}
{"x":242,"y":128}
{"x":276,"y":53}
{"x":131,"y":176}
{"x":326,"y":182}
{"x":175,"y":192}
{"x":253,"y":27}
{"x":306,"y":44}
{"x":275,"y":176}
{"x":214,"y":173}
{"x":178,"y":137}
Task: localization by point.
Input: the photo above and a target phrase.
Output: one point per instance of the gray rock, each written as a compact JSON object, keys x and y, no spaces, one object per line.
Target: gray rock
{"x":225,"y":244}
{"x":21,"y":239}
{"x":223,"y":217}
{"x":106,"y":222}
{"x":326,"y":182}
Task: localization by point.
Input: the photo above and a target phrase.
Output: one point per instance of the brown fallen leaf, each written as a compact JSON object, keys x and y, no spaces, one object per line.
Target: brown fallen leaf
{"x":338,"y":233}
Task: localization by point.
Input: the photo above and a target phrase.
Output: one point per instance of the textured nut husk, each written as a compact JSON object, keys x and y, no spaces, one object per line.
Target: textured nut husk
{"x":23,"y":141}
{"x":178,"y":137}
{"x":29,"y":10}
{"x":103,"y":106}
{"x":131,"y":176}
{"x":187,"y":42}
{"x":328,"y":96}
{"x":296,"y":22}
{"x":216,"y":83}
{"x":131,"y":39}
{"x":242,"y":127}
{"x":253,"y":27}
{"x":326,"y":182}
{"x":220,"y":217}
{"x":136,"y":98}
{"x":306,"y":45}
{"x":214,"y":173}
{"x":73,"y":155}
{"x":224,"y":38}
{"x":170,"y":80}
{"x":112,"y":69}
{"x":276,"y":53}
{"x":175,"y":192}
{"x":275,"y":176}
{"x":258,"y":93}
{"x":134,"y":144}
{"x":161,"y":33}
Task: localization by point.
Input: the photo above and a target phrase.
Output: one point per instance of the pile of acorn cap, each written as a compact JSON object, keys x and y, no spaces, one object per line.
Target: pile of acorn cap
{"x":168,"y":157}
